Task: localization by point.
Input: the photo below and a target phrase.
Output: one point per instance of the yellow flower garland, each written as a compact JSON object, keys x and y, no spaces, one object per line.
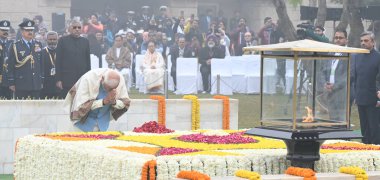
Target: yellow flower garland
{"x":195,"y":114}
{"x":161,"y":109}
{"x":359,"y":173}
{"x":248,"y":175}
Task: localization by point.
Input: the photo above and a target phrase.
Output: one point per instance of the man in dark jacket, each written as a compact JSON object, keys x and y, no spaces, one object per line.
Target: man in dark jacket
{"x":210,"y":51}
{"x":366,"y":74}
{"x":25,"y":72}
{"x":50,"y":90}
{"x":73,"y":58}
{"x":179,"y":50}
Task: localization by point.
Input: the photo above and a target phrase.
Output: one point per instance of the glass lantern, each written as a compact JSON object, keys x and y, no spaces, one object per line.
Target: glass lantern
{"x":305,"y":91}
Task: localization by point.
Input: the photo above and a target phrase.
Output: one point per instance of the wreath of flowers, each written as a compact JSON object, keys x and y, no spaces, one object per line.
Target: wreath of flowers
{"x":306,"y":173}
{"x":226,"y":111}
{"x":248,"y":174}
{"x":149,"y":170}
{"x":195,"y":113}
{"x":358,"y":172}
{"x":161,"y":108}
{"x":193,"y":175}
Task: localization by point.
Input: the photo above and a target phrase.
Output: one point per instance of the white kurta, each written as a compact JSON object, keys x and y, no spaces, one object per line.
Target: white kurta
{"x":153,"y":69}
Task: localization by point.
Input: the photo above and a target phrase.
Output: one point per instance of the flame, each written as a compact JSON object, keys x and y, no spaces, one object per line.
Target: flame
{"x":309,"y":118}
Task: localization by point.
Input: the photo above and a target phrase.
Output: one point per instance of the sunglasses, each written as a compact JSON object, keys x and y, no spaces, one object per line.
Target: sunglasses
{"x":77,"y":27}
{"x":339,"y":37}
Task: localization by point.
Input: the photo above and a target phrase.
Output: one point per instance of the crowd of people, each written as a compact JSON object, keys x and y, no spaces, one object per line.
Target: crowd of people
{"x":67,"y":57}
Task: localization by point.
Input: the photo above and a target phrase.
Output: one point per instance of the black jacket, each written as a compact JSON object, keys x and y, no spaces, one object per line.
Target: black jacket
{"x":174,"y":52}
{"x":49,"y":60}
{"x":366,"y":77}
{"x":216,"y":52}
{"x":73,"y":59}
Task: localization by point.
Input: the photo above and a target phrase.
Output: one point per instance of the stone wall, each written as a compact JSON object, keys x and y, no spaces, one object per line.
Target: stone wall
{"x":21,"y":118}
{"x":16,"y":10}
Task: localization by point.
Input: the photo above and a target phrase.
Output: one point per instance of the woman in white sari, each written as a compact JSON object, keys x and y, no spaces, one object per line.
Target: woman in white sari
{"x":153,"y":69}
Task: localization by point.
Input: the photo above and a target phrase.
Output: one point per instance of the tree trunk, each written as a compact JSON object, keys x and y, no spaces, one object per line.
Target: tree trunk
{"x":356,"y":25}
{"x":322,"y":13}
{"x":313,"y":3}
{"x":344,"y":18}
{"x":284,"y":24}
{"x":375,"y":28}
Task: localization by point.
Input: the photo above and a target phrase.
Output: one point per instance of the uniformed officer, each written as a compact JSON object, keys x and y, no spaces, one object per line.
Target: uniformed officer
{"x":162,"y":17}
{"x":144,"y":19}
{"x":5,"y":92}
{"x":131,"y":22}
{"x":25,"y":68}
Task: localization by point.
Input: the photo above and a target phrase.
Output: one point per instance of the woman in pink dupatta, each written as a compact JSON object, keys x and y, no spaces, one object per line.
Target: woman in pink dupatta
{"x":153,"y":69}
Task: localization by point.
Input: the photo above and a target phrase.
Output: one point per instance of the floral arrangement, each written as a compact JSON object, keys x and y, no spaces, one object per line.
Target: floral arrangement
{"x":248,"y":175}
{"x":169,"y":140}
{"x":161,"y":109}
{"x":152,"y":127}
{"x":81,"y":137}
{"x":195,"y":113}
{"x":192,"y":175}
{"x":142,"y":150}
{"x":149,"y":170}
{"x":173,"y":150}
{"x":307,"y":173}
{"x":226,"y":110}
{"x":359,"y":173}
{"x":126,"y":156}
{"x":350,"y":146}
{"x":233,"y":138}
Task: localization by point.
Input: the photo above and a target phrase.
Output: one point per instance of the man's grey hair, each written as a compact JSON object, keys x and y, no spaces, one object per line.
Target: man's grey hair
{"x":50,"y":33}
{"x":74,"y":21}
{"x":111,"y":81}
{"x":371,"y":35}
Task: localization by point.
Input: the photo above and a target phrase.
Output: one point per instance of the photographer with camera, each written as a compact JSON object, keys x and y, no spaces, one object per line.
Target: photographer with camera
{"x":266,"y":31}
{"x":308,"y":31}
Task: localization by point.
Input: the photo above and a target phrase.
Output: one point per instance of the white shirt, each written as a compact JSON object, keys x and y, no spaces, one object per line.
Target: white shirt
{"x":334,"y":64}
{"x":118,"y":52}
{"x":181,"y":52}
{"x":333,"y":68}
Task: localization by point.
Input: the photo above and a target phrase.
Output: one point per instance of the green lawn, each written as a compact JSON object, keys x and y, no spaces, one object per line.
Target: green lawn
{"x":6,"y":177}
{"x":248,"y":112}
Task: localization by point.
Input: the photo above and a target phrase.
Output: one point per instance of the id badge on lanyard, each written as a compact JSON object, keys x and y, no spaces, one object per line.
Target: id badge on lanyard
{"x":52,"y":71}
